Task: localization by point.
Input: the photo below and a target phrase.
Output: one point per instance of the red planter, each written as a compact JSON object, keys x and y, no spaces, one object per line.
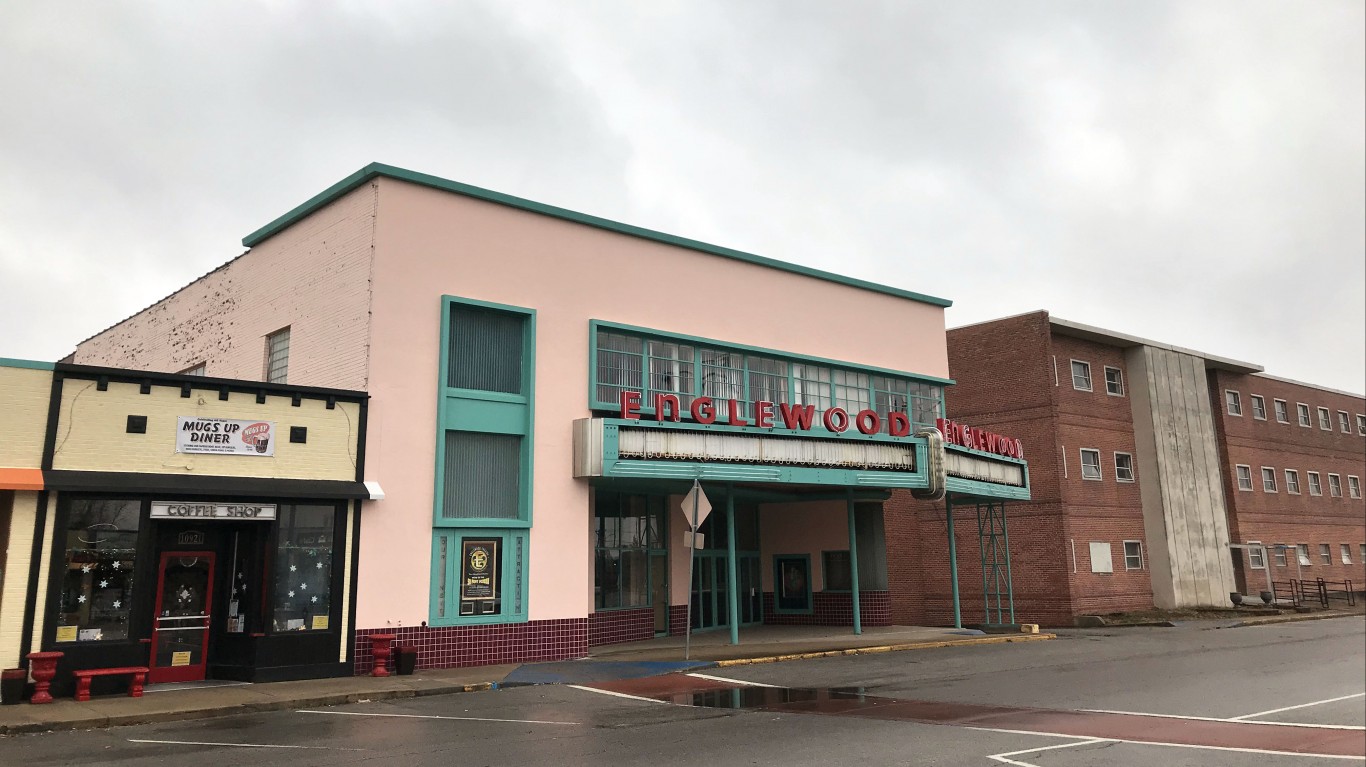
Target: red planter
{"x":381,"y":645}
{"x":43,"y":666}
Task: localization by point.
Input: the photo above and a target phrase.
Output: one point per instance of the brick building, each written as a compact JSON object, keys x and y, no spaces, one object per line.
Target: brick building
{"x":1146,"y":461}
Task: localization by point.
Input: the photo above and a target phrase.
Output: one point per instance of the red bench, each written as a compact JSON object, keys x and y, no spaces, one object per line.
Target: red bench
{"x":83,"y":677}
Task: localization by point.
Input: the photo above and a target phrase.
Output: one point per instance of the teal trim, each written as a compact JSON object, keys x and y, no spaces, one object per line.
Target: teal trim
{"x":663,"y":335}
{"x":953,"y":564}
{"x":853,"y":568}
{"x":377,"y":170}
{"x":9,"y":362}
{"x":990,"y":490}
{"x":508,"y":573}
{"x":778,"y":560}
{"x":733,"y":570}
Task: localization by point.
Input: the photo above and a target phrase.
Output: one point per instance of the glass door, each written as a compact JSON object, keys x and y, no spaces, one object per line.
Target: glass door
{"x":180,"y":631}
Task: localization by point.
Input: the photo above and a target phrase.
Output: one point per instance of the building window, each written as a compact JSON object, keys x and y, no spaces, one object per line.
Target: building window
{"x":630,"y":549}
{"x":1254,"y":557}
{"x":1326,"y":553}
{"x":1090,"y":464}
{"x":838,"y":576}
{"x":852,"y":391}
{"x":1315,"y":487}
{"x":1124,"y":467}
{"x":1081,"y":375}
{"x":1133,"y":555}
{"x":197,"y":370}
{"x":1102,"y":558}
{"x":1361,"y":424}
{"x":277,"y":356}
{"x":1325,"y":420}
{"x":1282,"y":414}
{"x":1278,"y":553}
{"x":97,"y":580}
{"x":1268,"y":479}
{"x":485,"y":350}
{"x":303,"y":568}
{"x":1335,"y":485}
{"x":1362,"y":551}
{"x":1303,"y":411}
{"x":1234,"y":401}
{"x":1353,"y":485}
{"x":792,"y":583}
{"x":1292,"y":482}
{"x":1346,"y":552}
{"x":1302,"y":555}
{"x":479,"y":576}
{"x":483,"y":476}
{"x":1344,"y":422}
{"x":1244,"y":476}
{"x":1258,"y":407}
{"x":723,"y":378}
{"x":1114,"y":382}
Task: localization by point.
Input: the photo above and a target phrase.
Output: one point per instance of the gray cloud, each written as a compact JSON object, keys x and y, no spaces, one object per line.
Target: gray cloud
{"x":1188,"y":172}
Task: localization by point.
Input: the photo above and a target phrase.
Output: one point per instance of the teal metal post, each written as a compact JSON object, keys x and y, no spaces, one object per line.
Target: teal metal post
{"x":853,"y":566}
{"x":1010,"y":581}
{"x":953,"y":564}
{"x":732,"y":595}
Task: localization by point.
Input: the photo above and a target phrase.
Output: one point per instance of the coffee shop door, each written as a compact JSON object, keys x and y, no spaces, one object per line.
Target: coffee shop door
{"x":180,"y":625}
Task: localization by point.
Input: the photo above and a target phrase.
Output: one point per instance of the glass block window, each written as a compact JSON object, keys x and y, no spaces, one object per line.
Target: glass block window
{"x":277,"y":356}
{"x":483,"y":476}
{"x":486,"y":349}
{"x":303,"y":568}
{"x":97,"y":583}
{"x":811,"y":385}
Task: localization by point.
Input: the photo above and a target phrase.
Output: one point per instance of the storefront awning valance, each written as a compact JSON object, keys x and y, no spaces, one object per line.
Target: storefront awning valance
{"x":21,"y":479}
{"x":129,"y":482}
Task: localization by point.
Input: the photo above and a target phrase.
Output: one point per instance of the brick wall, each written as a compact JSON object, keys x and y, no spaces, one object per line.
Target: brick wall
{"x":313,"y":278}
{"x":459,"y":646}
{"x":615,"y":626}
{"x":829,"y":608}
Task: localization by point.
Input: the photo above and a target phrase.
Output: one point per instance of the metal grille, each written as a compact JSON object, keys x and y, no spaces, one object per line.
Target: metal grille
{"x":277,"y":356}
{"x":485,"y":350}
{"x":483,"y":476}
{"x":619,"y":365}
{"x":671,"y":371}
{"x":723,"y":378}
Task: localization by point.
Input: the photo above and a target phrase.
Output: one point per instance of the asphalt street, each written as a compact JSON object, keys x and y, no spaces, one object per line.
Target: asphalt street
{"x":1182,"y":679}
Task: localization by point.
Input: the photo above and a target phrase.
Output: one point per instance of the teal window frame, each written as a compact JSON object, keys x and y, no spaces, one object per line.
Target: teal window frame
{"x":876,"y":375}
{"x":487,"y":412}
{"x":515,"y":580}
{"x":778,"y":560}
{"x":649,"y":552}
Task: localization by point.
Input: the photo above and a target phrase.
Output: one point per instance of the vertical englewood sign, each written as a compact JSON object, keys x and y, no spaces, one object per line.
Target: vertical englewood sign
{"x":224,"y":436}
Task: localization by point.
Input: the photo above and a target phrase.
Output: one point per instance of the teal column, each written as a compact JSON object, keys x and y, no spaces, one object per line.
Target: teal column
{"x":1010,"y":581}
{"x":732,"y":567}
{"x":853,"y":566}
{"x":953,"y":564}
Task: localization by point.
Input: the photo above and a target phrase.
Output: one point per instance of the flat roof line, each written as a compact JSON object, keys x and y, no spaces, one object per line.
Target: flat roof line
{"x":1092,"y":333}
{"x":1316,"y":387}
{"x":374,"y":170}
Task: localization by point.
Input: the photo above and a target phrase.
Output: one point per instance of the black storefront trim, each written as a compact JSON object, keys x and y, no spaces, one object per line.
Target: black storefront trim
{"x":203,"y":382}
{"x":173,"y":484}
{"x":354,"y":532}
{"x":35,"y":563}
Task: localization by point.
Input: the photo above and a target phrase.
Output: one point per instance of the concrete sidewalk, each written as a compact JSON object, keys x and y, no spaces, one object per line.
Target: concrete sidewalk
{"x":760,"y":644}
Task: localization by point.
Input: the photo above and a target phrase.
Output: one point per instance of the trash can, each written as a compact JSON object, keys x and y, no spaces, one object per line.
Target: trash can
{"x":405,"y":660}
{"x":12,"y":681}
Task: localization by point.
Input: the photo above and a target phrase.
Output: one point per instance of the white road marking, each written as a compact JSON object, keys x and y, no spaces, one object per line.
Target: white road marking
{"x":1004,"y":758}
{"x":432,"y":716}
{"x":239,"y":745}
{"x":1217,"y":719}
{"x":733,"y":681}
{"x":158,"y":688}
{"x":1302,"y":705}
{"x":1176,"y":745}
{"x":616,"y":694}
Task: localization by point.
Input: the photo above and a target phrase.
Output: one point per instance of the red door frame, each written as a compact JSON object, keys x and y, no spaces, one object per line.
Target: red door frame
{"x":181,"y":673}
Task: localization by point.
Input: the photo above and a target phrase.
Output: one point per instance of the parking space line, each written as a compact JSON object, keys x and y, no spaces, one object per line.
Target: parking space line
{"x":432,"y":716}
{"x":731,"y":681}
{"x":1237,"y":749}
{"x":1005,"y":758}
{"x":616,"y":694}
{"x":239,"y":745}
{"x":1302,"y":705}
{"x":1217,"y":719}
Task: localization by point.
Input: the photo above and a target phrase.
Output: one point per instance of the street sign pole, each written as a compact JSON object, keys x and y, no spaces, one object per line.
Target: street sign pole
{"x":692,"y":553}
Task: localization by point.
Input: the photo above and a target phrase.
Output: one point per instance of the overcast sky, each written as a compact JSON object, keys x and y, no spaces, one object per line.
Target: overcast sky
{"x":1190,"y":172}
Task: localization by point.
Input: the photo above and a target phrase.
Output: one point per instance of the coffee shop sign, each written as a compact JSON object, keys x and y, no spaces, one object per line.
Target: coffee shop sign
{"x":224,"y":436}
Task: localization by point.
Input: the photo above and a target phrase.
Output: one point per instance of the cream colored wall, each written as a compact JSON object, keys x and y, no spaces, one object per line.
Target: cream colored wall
{"x":24,"y":397}
{"x":429,"y":243}
{"x":44,"y":565}
{"x":802,"y":528}
{"x":91,"y":433}
{"x":18,"y":559}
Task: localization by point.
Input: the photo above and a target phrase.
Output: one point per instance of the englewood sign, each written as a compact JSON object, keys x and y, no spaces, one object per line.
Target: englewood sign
{"x":767,"y":415}
{"x":979,"y":439}
{"x":224,"y":436}
{"x":197,"y":511}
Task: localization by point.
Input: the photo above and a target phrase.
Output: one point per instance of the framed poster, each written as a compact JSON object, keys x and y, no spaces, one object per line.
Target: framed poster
{"x":792,"y":583}
{"x":480,"y":590}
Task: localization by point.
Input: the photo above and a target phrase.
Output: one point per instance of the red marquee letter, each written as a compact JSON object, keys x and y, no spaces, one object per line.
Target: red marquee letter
{"x":829,"y":419}
{"x":733,"y":416}
{"x":899,"y":424}
{"x":797,"y":416}
{"x":868,"y":422}
{"x":703,"y":411}
{"x":666,"y":399}
{"x":630,"y":405}
{"x":763,"y":414}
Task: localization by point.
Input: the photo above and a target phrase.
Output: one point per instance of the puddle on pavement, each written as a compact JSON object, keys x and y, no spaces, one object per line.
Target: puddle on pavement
{"x":787,"y":698}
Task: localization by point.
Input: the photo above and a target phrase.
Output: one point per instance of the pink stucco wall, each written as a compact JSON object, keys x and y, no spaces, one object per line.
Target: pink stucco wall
{"x":429,"y":243}
{"x":802,"y":528}
{"x":314,"y":278}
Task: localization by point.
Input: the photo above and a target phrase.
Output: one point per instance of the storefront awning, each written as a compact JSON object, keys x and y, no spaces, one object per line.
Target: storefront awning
{"x":128,"y":482}
{"x":21,"y":479}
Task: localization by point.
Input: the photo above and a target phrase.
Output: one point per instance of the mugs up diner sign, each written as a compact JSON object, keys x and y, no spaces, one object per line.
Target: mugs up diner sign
{"x":224,"y":436}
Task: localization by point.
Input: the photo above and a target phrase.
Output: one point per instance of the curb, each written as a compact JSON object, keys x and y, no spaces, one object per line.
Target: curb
{"x":885,"y":648}
{"x":336,"y":699}
{"x":1288,"y":619}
